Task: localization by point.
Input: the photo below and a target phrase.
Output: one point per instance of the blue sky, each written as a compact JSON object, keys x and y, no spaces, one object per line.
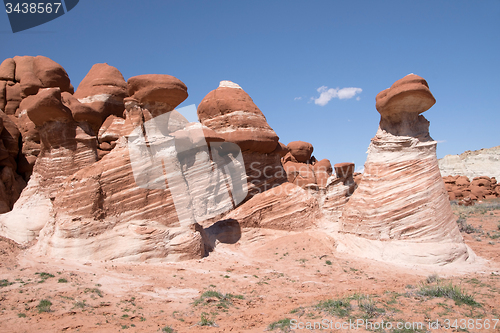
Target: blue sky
{"x":285,"y":53}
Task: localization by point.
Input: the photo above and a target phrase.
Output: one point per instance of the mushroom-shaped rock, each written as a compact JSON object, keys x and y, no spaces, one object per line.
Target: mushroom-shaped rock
{"x":301,"y":150}
{"x":410,"y":94}
{"x":46,"y":106}
{"x":103,"y":89}
{"x":400,"y":105}
{"x":230,"y":112}
{"x":401,"y":211}
{"x":157,"y":89}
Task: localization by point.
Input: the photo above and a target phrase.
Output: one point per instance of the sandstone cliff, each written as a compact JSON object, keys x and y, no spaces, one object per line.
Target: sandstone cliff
{"x":477,"y":163}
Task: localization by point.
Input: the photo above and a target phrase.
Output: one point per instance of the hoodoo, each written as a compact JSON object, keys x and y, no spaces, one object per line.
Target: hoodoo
{"x":400,"y":211}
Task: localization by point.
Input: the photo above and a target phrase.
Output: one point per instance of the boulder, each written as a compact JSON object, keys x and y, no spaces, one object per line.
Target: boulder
{"x":322,"y":170}
{"x":157,"y":88}
{"x":285,"y":207}
{"x":25,"y":75}
{"x":51,"y":74}
{"x":482,"y":182}
{"x":281,"y":149}
{"x":300,"y":150}
{"x":300,"y":174}
{"x":344,"y":170}
{"x":463,"y":181}
{"x":111,"y":129}
{"x":103,"y":89}
{"x":46,"y":106}
{"x":82,"y":112}
{"x":7,"y":70}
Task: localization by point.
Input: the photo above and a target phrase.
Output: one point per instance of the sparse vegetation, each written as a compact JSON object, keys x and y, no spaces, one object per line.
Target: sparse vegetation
{"x":450,"y":291}
{"x":463,"y":226}
{"x":168,"y":329}
{"x":432,"y":278}
{"x":62,"y":280}
{"x":5,"y":283}
{"x":94,"y":291}
{"x":336,"y":307}
{"x":282,"y":324}
{"x":328,"y":262}
{"x":224,"y":300}
{"x":79,"y":304}
{"x":44,"y":306}
{"x":21,"y":315}
{"x":206,"y":320}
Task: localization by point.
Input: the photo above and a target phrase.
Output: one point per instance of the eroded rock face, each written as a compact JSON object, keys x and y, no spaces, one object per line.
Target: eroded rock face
{"x":230,"y":113}
{"x":103,"y":90}
{"x":285,"y":207}
{"x":143,"y":200}
{"x":66,"y":147}
{"x":302,"y":168}
{"x":400,"y":211}
{"x":20,"y":78}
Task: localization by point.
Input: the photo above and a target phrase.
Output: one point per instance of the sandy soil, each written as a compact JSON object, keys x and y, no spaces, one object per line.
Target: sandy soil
{"x":268,"y":280}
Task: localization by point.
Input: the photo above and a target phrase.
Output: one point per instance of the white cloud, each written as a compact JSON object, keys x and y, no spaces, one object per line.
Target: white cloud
{"x":297,"y":98}
{"x":325,"y":94}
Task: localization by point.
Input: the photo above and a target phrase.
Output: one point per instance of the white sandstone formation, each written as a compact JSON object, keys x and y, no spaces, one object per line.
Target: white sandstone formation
{"x":482,"y":162}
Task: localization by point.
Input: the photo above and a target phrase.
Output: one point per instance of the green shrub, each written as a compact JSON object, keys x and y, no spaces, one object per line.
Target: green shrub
{"x":282,"y":324}
{"x":336,"y":307}
{"x":44,"y":306}
{"x":448,"y":291}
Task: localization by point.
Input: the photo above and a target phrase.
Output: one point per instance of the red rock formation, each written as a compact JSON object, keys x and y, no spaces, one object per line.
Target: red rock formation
{"x":400,"y":211}
{"x":230,"y":112}
{"x":302,"y":168}
{"x":21,"y":78}
{"x":301,"y":151}
{"x":66,"y":147}
{"x":144,"y":198}
{"x":285,"y":207}
{"x":459,"y":187}
{"x":103,"y":90}
{"x":322,"y":170}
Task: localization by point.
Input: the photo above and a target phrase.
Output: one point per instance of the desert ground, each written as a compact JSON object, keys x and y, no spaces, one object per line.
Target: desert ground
{"x":266,"y":281}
